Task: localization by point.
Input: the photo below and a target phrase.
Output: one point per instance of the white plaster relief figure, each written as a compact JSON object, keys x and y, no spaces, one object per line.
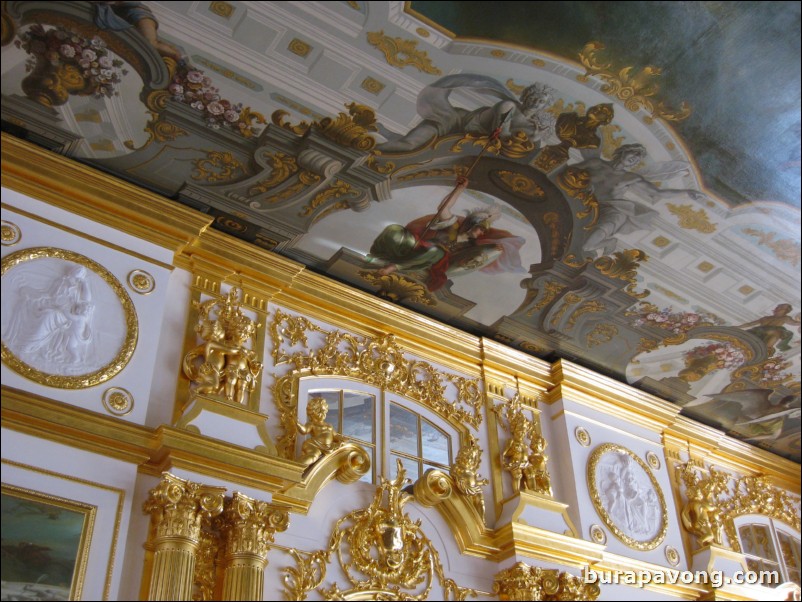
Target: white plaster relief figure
{"x":632,"y":505}
{"x":51,"y":326}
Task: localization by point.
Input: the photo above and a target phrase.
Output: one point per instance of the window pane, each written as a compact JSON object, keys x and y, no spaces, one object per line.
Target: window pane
{"x":440,"y":468}
{"x":435,"y":445}
{"x":403,"y":431}
{"x":411,"y":466}
{"x":358,"y":416}
{"x":790,"y":547}
{"x":765,"y":548}
{"x":370,"y":477}
{"x":333,"y":399}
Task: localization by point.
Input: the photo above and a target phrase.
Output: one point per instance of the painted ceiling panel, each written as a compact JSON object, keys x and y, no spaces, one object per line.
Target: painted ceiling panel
{"x":614,"y":185}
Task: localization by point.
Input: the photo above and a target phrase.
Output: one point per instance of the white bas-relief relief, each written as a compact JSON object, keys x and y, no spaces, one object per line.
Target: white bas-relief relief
{"x":63,"y":319}
{"x":627,"y":497}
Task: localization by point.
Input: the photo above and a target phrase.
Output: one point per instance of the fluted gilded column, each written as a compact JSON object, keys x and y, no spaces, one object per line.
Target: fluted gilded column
{"x":248,"y":527}
{"x":178,"y":510}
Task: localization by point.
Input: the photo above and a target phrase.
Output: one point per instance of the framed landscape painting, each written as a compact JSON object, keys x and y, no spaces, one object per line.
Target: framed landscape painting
{"x":45,"y":545}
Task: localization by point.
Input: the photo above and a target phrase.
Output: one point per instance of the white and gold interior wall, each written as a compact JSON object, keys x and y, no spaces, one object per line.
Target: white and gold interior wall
{"x":160,"y":388}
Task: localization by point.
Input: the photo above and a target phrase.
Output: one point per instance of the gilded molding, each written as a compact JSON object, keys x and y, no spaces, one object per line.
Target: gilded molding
{"x":635,"y":89}
{"x":123,"y":355}
{"x":399,"y":52}
{"x":620,"y":482}
{"x":524,"y":582}
{"x":375,"y":361}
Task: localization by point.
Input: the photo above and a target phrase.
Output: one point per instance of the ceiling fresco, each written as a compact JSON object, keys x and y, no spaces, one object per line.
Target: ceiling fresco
{"x":569,"y":205}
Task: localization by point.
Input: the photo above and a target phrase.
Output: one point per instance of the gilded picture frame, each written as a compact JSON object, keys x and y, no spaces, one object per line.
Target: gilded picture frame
{"x":46,"y":541}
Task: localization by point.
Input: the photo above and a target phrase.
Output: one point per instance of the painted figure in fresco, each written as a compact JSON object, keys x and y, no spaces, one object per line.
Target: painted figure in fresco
{"x":440,"y":118}
{"x":771,"y":329}
{"x":323,"y":439}
{"x":51,"y":327}
{"x":575,"y":132}
{"x":117,"y":16}
{"x":443,"y":245}
{"x":617,"y":188}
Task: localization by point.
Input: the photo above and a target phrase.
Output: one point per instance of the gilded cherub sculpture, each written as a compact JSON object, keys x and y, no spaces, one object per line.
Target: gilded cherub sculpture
{"x":323,"y":438}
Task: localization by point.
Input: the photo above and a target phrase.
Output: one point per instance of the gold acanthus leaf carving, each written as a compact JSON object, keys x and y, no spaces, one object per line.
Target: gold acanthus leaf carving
{"x":398,"y":288}
{"x":692,"y":220}
{"x":217,"y":166}
{"x":434,"y":173}
{"x":399,"y":52}
{"x":282,"y":167}
{"x":623,"y":265}
{"x":636,"y":89}
{"x":576,"y":182}
{"x":376,"y":361}
{"x":784,"y":249}
{"x":756,"y":495}
{"x":551,"y":289}
{"x":593,"y":306}
{"x":372,"y":163}
{"x":158,"y":131}
{"x":279,"y":118}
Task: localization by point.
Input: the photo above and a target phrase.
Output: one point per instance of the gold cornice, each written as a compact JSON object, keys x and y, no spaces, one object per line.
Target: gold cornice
{"x":614,"y":562}
{"x":74,"y":426}
{"x":720,"y":450}
{"x":502,"y":363}
{"x":609,"y":396}
{"x":515,"y":539}
{"x":85,"y":191}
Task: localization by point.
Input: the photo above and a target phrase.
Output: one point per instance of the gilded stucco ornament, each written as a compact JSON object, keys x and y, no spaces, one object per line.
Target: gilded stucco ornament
{"x":524,"y":582}
{"x":222,"y":365}
{"x":383,"y":553}
{"x":52,"y":316}
{"x":627,"y":496}
{"x":399,"y":52}
{"x":118,"y":401}
{"x":376,"y":361}
{"x":398,"y":288}
{"x":141,"y":282}
{"x":465,"y":473}
{"x":526,"y":462}
{"x":757,"y":495}
{"x":10,"y":234}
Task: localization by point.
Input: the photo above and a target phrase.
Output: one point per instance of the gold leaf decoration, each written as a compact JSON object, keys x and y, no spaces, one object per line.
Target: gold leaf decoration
{"x":519,"y":184}
{"x":338,"y":189}
{"x":623,"y":265}
{"x":399,"y":52}
{"x":278,"y":118}
{"x":692,"y":220}
{"x":351,"y":130}
{"x":218,"y":166}
{"x":602,"y":333}
{"x":283,"y":166}
{"x":636,"y":89}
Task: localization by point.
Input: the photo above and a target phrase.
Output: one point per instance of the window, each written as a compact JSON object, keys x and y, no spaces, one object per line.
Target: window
{"x":386,"y":429}
{"x":768,"y":547}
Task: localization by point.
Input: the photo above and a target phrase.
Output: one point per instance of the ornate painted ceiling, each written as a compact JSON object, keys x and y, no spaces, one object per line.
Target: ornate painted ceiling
{"x":558,"y":194}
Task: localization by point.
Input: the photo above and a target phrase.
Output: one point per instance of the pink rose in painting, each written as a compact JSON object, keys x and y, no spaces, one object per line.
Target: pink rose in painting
{"x":215,"y":108}
{"x":67,"y":50}
{"x":105,"y":62}
{"x":89,"y":55}
{"x":197,"y":105}
{"x":195,"y":77}
{"x":176,"y":89}
{"x":231,"y":116}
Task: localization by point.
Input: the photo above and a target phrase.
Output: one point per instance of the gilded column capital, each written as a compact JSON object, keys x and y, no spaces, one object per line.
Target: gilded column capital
{"x":178,"y":507}
{"x":250,"y":525}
